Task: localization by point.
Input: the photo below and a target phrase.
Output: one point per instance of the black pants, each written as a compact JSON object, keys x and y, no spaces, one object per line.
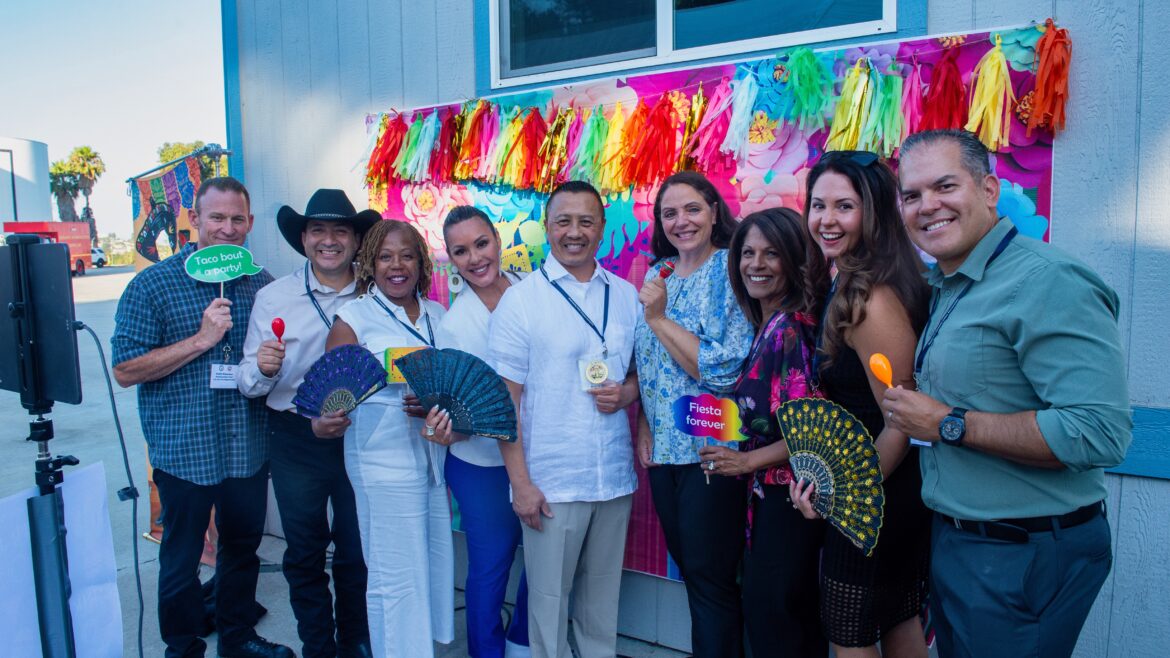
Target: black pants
{"x":704,"y":528}
{"x":240,"y":505}
{"x":780,"y":588}
{"x":308,"y":474}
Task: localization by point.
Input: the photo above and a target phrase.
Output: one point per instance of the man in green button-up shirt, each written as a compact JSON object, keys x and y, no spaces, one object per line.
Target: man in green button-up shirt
{"x":1023,"y":401}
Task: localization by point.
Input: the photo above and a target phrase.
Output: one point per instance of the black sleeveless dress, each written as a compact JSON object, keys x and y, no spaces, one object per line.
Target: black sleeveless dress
{"x":864,"y":598}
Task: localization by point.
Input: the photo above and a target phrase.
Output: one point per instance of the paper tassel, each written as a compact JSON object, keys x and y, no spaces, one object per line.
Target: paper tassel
{"x":414,"y":161}
{"x":510,"y":123}
{"x":553,"y":150}
{"x":912,"y":100}
{"x":991,"y":100}
{"x":852,"y":108}
{"x":521,"y":167}
{"x":743,"y":97}
{"x":712,"y":130}
{"x":610,"y":166}
{"x":443,"y":159}
{"x":694,"y":117}
{"x":655,"y":151}
{"x":381,"y":170}
{"x":470,"y":144}
{"x":811,"y":86}
{"x":883,"y":127}
{"x":1053,"y":56}
{"x":946,"y":101}
{"x":590,"y":148}
{"x":572,"y":143}
{"x":490,"y":137}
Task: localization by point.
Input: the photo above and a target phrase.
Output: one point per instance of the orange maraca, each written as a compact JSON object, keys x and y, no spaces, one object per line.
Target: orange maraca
{"x":879,"y":365}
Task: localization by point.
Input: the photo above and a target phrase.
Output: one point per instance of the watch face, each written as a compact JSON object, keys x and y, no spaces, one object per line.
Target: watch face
{"x":951,"y":429}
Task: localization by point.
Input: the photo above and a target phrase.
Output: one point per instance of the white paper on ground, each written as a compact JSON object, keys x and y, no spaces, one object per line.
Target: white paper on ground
{"x":93,"y":573}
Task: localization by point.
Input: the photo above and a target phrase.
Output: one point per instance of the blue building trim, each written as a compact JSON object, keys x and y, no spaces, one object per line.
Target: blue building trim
{"x":911,"y":23}
{"x":233,"y":115}
{"x":1149,"y":454}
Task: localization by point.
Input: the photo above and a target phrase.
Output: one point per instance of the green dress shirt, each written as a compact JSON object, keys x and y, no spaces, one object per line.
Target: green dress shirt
{"x":1037,"y":331}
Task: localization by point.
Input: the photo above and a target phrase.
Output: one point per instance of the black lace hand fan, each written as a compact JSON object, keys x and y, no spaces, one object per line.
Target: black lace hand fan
{"x":831,"y":448}
{"x":340,"y":380}
{"x":474,"y":395}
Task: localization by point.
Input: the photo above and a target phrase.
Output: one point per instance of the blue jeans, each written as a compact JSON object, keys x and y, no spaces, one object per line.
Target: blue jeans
{"x":493,"y":533}
{"x":240,"y":506}
{"x":991,"y":597}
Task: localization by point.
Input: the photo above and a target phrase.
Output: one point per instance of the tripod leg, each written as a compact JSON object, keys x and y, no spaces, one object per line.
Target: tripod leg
{"x":46,"y":522}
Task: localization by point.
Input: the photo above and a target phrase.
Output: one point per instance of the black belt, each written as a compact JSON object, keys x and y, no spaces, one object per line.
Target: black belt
{"x":1017,"y":530}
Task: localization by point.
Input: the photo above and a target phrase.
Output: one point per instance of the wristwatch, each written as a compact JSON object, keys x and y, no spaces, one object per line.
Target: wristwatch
{"x":953,"y":427}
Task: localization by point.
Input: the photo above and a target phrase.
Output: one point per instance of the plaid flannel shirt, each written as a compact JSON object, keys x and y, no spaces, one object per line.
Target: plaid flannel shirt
{"x":194,"y":432}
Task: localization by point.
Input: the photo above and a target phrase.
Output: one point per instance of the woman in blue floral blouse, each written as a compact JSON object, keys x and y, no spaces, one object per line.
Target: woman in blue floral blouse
{"x":691,"y":342}
{"x":780,"y":589}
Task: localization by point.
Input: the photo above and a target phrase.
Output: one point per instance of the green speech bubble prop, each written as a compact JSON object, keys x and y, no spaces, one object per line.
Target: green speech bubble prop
{"x":220,"y":263}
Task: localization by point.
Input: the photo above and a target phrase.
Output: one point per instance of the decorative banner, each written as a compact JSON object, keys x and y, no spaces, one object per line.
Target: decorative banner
{"x":220,"y":263}
{"x":754,"y":128}
{"x":163,"y":204}
{"x":392,"y":354}
{"x":707,"y":415}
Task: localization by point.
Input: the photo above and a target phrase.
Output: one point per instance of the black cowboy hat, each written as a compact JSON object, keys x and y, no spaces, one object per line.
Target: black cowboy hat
{"x":325,"y":206}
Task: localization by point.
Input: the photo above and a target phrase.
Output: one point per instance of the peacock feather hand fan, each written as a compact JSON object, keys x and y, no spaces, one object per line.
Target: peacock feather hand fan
{"x":831,"y":448}
{"x":340,"y":380}
{"x":461,"y":383}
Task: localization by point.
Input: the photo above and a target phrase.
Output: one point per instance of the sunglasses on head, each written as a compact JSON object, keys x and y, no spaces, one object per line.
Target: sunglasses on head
{"x":860,"y":158}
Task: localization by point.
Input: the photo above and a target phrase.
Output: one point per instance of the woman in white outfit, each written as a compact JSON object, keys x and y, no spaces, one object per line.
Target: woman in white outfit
{"x":397,"y":475}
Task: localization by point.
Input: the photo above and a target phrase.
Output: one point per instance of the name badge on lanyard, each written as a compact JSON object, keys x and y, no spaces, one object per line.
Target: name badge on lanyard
{"x":223,"y":375}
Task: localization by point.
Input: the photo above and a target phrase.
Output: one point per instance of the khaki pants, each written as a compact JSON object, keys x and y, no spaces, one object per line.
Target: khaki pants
{"x":577,"y":554}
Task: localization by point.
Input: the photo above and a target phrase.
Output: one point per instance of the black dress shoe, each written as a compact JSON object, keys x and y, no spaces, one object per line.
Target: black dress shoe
{"x":257,"y":647}
{"x":359,"y":650}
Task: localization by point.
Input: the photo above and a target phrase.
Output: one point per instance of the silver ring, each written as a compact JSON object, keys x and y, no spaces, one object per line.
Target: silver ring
{"x":711,"y":465}
{"x":430,"y":431}
{"x":890,"y":415}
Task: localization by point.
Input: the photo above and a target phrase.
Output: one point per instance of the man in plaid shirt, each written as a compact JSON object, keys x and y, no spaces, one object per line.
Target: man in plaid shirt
{"x":207,"y":442}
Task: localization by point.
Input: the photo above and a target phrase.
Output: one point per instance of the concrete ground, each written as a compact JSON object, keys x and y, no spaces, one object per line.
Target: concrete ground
{"x":87,"y":432}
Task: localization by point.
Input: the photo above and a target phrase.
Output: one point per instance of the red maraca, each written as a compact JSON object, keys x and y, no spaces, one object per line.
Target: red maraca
{"x":278,"y":329}
{"x":667,"y":269}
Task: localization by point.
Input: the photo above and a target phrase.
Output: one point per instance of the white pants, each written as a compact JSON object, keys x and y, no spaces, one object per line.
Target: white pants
{"x":578,"y":553}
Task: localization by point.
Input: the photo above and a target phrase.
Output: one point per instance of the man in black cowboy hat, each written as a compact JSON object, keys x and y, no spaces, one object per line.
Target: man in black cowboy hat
{"x":308,"y":471}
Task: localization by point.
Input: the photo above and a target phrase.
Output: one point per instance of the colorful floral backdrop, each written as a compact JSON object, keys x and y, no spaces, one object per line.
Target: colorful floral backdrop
{"x":767,"y":167}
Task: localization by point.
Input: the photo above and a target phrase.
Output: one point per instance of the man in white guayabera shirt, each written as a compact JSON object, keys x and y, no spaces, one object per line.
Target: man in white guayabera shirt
{"x":563,"y":340}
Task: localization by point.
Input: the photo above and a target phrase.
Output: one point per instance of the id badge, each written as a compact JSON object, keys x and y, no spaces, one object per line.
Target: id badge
{"x":920,"y":443}
{"x":597,"y":369}
{"x":223,"y":375}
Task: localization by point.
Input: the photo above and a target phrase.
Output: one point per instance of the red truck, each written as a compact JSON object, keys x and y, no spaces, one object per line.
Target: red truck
{"x":74,"y":234}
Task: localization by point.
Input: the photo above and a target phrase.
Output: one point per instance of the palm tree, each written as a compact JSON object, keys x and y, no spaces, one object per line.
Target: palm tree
{"x":65,"y":187}
{"x":88,"y":166}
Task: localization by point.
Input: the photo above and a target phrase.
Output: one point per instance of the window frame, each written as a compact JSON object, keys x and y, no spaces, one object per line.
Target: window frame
{"x":664,"y":34}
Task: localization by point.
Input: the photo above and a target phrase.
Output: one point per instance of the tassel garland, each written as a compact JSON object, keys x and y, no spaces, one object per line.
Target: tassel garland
{"x":743,"y":97}
{"x":991,"y":100}
{"x":852,"y":108}
{"x":811,"y":85}
{"x":946,"y":101}
{"x":1053,"y":58}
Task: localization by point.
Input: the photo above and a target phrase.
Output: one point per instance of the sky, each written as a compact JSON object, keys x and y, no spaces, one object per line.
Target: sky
{"x":120,"y":76}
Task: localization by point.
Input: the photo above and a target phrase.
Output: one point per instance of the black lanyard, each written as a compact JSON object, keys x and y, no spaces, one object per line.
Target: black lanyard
{"x":313,"y":298}
{"x":605,"y":318}
{"x":428,"y":343}
{"x":929,"y":342}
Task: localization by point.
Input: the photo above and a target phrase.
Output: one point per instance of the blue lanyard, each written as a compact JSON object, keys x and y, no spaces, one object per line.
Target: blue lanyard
{"x":929,"y":342}
{"x":430,"y":331}
{"x":605,"y":317}
{"x":312,"y":298}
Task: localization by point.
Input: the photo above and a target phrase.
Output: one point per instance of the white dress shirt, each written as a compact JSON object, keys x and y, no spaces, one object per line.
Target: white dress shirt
{"x":574,"y":452}
{"x":304,"y":334}
{"x":465,"y":328}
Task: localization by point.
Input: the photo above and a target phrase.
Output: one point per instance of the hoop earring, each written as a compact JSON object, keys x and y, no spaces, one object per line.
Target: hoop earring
{"x":455,"y":282}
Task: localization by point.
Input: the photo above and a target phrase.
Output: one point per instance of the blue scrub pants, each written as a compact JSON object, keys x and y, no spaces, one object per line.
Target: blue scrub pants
{"x":493,"y":533}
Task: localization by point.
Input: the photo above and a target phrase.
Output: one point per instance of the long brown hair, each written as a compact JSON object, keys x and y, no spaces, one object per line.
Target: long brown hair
{"x":882,"y":256}
{"x":367,"y":256}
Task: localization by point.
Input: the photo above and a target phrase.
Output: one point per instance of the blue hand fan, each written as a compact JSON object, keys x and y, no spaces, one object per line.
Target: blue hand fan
{"x":474,"y":395}
{"x":340,"y":380}
{"x":831,"y":448}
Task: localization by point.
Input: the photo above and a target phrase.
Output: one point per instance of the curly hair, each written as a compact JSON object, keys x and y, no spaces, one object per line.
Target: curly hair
{"x":882,"y":256}
{"x":724,"y":224}
{"x":781,"y":227}
{"x":367,"y":256}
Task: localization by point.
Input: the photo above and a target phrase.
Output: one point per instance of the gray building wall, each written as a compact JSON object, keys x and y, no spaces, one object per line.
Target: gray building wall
{"x":309,"y":72}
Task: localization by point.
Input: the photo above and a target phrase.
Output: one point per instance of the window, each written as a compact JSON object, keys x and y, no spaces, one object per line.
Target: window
{"x":543,"y":40}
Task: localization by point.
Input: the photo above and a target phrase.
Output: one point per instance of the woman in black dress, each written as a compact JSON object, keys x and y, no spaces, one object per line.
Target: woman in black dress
{"x":865,"y":276}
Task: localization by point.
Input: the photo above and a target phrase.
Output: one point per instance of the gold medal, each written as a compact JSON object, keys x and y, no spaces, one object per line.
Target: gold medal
{"x":596,"y":372}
